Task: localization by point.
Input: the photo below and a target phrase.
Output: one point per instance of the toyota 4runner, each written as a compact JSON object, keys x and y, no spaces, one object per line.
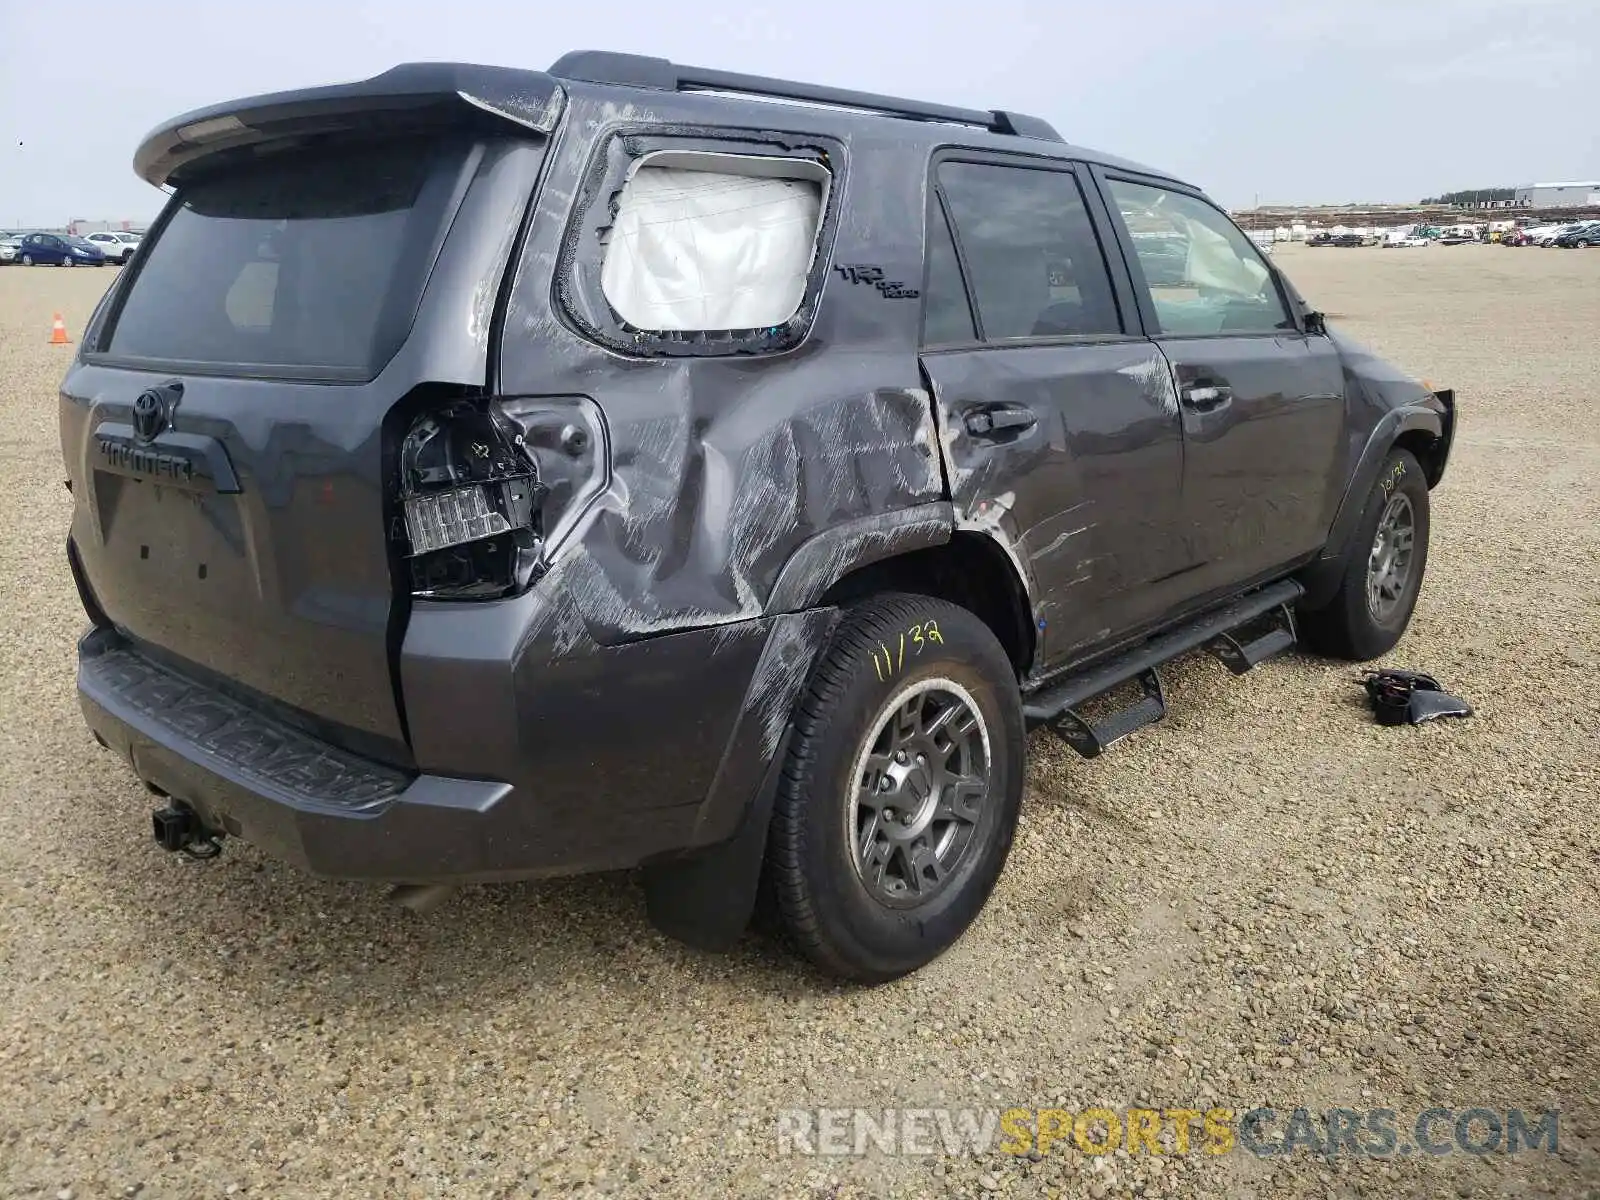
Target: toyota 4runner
{"x":484,"y":474}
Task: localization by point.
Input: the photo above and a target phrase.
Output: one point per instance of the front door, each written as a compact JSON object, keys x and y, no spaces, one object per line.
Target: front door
{"x":1262,"y":401}
{"x":1061,"y":431}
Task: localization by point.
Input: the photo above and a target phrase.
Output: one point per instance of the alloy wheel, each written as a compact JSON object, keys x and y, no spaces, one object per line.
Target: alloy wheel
{"x":919,"y":787}
{"x":1389,"y":564}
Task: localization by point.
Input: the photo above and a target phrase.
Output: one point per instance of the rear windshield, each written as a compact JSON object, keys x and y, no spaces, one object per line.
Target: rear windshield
{"x":312,"y":262}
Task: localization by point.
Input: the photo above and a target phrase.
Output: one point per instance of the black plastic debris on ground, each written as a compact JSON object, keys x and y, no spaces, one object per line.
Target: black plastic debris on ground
{"x":1410,"y":697}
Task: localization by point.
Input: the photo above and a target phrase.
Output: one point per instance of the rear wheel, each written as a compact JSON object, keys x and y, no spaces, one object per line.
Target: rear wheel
{"x":27,"y":260}
{"x":900,"y":795}
{"x":1384,"y":566}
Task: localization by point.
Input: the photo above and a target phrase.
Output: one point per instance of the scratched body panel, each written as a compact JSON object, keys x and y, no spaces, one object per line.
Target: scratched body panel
{"x":723,"y":471}
{"x":722,"y":467}
{"x":1086,"y":502}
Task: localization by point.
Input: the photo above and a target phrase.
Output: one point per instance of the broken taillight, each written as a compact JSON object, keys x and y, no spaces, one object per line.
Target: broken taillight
{"x":487,"y":485}
{"x":470,"y":498}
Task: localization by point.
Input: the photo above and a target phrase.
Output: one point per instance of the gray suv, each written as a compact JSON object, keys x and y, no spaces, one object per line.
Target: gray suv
{"x":484,"y":474}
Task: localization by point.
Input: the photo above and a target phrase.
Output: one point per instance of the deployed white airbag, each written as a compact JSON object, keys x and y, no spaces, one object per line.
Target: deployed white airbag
{"x":696,"y":249}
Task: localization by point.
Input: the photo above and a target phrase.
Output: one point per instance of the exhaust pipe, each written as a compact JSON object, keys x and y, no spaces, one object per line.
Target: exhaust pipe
{"x":422,"y":897}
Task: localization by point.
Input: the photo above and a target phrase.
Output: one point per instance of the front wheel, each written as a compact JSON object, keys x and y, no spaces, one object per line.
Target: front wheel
{"x":1384,"y":565}
{"x":900,"y":795}
{"x":67,"y":261}
{"x":27,"y":260}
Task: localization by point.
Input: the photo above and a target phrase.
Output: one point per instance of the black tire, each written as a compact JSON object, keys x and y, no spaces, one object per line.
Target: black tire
{"x":1349,"y":626}
{"x":886,"y":648}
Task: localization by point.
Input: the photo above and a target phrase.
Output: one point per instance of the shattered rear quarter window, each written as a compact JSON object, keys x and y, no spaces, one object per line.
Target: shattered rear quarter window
{"x":712,"y":242}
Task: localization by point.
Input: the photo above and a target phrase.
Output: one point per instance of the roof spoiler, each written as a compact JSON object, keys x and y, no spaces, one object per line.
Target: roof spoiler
{"x":638,"y":70}
{"x":411,"y":94}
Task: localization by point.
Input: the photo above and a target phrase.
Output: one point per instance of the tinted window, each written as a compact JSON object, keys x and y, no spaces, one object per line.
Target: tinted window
{"x":946,"y":315}
{"x":1203,"y":274}
{"x":1032,"y":259}
{"x":290,"y":263}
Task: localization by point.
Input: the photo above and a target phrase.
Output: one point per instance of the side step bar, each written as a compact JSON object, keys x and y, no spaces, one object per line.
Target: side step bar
{"x":1242,"y":634}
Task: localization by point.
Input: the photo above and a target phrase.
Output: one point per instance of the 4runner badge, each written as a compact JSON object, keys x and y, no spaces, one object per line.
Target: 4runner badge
{"x":889,"y":289}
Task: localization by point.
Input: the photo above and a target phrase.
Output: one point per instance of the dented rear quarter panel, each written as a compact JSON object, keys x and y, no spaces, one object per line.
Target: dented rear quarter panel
{"x":722,"y":467}
{"x":658,"y":660}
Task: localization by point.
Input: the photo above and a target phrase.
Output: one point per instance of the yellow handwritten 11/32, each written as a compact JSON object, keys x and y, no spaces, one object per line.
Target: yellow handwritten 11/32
{"x":911,"y":643}
{"x":1100,"y":1131}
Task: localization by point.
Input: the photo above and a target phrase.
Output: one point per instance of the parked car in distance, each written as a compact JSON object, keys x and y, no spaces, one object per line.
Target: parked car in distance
{"x":758,"y":540}
{"x":1347,"y":239}
{"x":1578,"y":236}
{"x":59,"y":250}
{"x":1401,"y":240}
{"x":116,"y":245}
{"x":1548,"y":235}
{"x":8,"y":249}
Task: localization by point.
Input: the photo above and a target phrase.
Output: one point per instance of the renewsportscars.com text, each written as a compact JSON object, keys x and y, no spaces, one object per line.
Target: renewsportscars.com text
{"x":1264,"y":1132}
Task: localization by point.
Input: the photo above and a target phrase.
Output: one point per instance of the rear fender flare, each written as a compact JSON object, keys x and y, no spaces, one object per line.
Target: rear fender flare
{"x":827,"y":557}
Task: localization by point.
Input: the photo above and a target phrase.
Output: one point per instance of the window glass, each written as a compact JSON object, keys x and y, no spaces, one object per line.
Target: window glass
{"x":1203,"y":274}
{"x":710,"y":249}
{"x":289,"y":262}
{"x":1031,"y":255}
{"x":946,"y":315}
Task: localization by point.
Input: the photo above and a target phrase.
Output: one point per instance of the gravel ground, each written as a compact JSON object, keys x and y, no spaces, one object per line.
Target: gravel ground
{"x":1266,"y":900}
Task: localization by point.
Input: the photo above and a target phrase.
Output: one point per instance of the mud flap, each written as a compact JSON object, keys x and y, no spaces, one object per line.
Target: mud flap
{"x":706,"y":898}
{"x":706,"y":901}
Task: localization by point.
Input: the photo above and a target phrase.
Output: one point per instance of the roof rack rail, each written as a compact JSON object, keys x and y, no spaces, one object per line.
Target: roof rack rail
{"x":639,"y":70}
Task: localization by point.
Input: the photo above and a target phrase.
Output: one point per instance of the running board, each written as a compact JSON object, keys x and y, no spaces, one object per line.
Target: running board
{"x":1271,"y":635}
{"x":1219,"y":631}
{"x":1089,"y":739}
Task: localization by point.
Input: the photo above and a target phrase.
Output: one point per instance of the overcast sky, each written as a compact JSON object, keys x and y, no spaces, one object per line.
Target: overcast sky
{"x":1288,"y":101}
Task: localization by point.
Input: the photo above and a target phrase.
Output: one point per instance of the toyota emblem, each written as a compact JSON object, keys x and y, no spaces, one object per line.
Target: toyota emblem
{"x":149,"y":415}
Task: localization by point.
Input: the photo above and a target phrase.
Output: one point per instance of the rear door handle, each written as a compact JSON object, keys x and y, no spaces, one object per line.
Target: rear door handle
{"x":1203,"y":397}
{"x":1007,"y":418}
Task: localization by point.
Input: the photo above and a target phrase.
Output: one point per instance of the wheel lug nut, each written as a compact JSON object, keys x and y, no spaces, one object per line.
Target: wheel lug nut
{"x":886,"y":784}
{"x":909,"y":819}
{"x":899,"y":756}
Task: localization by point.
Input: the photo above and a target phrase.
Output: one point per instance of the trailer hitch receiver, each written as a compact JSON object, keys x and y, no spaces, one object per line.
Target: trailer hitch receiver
{"x":178,"y":829}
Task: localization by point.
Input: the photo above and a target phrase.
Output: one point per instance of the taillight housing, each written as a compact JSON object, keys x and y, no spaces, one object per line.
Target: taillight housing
{"x":487,"y":484}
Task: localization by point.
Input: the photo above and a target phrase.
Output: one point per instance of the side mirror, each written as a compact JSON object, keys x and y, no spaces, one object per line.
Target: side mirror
{"x":1315,"y":323}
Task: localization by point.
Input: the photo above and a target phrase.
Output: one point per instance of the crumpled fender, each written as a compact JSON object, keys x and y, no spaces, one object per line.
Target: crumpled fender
{"x":1401,"y":405}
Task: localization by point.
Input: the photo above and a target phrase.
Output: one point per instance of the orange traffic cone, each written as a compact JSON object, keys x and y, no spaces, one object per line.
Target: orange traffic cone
{"x":58,"y":333}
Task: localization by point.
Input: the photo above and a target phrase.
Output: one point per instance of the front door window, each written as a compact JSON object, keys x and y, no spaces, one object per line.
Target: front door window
{"x":1204,"y":276}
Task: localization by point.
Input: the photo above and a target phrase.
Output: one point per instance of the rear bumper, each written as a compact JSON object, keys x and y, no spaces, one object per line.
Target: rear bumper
{"x":587,"y":781}
{"x":323,"y":809}
{"x":250,"y":776}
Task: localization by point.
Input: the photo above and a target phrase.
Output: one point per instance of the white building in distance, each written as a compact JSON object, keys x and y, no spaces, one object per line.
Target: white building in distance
{"x":1559,"y":195}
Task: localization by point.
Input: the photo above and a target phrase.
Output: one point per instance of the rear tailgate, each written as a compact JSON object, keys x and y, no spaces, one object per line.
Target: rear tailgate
{"x":224,"y":432}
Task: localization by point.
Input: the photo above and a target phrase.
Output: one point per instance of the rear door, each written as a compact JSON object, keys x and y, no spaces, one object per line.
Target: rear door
{"x":1262,"y":402}
{"x":1061,"y":430}
{"x":224,"y":433}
